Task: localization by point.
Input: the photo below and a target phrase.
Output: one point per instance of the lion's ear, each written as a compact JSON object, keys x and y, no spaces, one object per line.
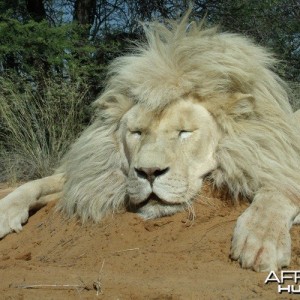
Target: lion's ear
{"x":110,"y":107}
{"x":230,"y":109}
{"x":95,"y":167}
{"x":239,"y":105}
{"x":234,"y":106}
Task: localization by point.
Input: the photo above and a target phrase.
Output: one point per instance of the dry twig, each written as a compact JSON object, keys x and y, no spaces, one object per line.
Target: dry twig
{"x":53,"y":286}
{"x":97,"y":284}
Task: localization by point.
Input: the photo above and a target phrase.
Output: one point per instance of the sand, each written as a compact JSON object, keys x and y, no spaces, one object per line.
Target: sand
{"x":125,"y":257}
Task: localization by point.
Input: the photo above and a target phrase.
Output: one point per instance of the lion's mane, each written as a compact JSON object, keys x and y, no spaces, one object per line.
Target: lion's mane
{"x":260,"y":145}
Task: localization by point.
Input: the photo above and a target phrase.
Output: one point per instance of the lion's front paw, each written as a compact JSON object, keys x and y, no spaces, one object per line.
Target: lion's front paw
{"x":261,"y":240}
{"x":12,"y":216}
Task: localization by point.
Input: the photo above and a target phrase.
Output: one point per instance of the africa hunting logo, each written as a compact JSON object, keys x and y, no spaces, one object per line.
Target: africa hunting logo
{"x":287,"y":281}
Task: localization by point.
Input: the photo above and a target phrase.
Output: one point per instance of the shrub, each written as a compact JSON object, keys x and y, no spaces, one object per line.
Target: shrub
{"x":37,"y":126}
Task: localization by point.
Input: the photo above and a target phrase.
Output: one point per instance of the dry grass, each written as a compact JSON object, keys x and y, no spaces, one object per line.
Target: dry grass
{"x":36,"y":127}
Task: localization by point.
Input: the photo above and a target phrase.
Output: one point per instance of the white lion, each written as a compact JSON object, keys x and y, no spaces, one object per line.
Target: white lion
{"x":190,"y":103}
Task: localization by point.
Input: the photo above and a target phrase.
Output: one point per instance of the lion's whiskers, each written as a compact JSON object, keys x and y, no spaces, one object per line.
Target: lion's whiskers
{"x":191,"y":212}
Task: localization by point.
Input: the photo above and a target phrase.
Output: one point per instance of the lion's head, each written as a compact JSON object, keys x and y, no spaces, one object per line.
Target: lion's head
{"x":169,"y":153}
{"x":188,"y":103}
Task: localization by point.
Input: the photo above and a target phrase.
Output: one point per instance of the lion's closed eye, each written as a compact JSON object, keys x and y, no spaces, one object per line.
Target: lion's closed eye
{"x":136,"y":133}
{"x":184,"y":134}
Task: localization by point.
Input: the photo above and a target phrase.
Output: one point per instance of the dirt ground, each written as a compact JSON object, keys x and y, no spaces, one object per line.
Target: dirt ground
{"x":128,"y":258}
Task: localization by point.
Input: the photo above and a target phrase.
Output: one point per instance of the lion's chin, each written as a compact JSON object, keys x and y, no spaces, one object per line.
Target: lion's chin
{"x":151,"y":200}
{"x":154,"y":207}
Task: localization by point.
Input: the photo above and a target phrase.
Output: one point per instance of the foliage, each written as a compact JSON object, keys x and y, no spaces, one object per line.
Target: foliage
{"x":36,"y":127}
{"x":36,"y":50}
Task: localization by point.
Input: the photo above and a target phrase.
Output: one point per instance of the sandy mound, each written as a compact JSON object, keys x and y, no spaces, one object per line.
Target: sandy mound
{"x":127,"y":258}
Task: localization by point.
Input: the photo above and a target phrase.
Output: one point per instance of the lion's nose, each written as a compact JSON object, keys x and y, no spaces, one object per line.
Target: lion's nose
{"x":150,"y":173}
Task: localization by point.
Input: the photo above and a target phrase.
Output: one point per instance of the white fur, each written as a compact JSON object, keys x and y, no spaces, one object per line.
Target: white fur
{"x":14,"y":208}
{"x":257,"y":155}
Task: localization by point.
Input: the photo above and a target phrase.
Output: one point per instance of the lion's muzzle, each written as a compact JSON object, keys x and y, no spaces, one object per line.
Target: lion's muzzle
{"x":150,"y":173}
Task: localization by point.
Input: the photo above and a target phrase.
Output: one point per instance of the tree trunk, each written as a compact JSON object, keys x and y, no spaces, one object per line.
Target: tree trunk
{"x":36,"y":9}
{"x":84,"y":11}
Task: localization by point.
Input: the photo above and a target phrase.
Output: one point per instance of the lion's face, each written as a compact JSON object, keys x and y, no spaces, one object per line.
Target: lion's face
{"x":169,"y":152}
